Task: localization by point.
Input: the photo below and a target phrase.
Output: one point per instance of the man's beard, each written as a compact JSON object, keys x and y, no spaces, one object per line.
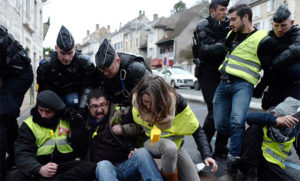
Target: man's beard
{"x":241,"y":28}
{"x":47,"y":123}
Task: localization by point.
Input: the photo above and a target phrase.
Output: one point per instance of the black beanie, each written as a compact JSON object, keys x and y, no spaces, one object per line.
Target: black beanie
{"x":49,"y":99}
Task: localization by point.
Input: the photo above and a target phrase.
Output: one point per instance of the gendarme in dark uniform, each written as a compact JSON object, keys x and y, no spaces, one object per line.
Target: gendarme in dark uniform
{"x":284,"y":80}
{"x":121,"y":72}
{"x":210,"y":35}
{"x":67,"y":72}
{"x":16,"y":77}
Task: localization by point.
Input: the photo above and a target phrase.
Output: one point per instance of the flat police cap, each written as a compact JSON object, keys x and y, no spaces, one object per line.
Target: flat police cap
{"x":220,"y":2}
{"x":105,"y":55}
{"x":281,"y":14}
{"x":65,"y":40}
{"x":48,"y":99}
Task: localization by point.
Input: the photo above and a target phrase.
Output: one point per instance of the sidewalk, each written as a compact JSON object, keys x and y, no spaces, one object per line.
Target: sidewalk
{"x":255,"y":105}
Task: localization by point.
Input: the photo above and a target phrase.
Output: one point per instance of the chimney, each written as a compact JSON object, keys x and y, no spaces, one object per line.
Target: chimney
{"x":87,"y":32}
{"x":108,"y":28}
{"x":97,"y":26}
{"x":140,"y":12}
{"x":155,"y":17}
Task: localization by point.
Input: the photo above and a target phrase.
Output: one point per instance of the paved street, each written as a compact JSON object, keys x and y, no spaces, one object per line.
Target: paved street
{"x":292,"y":162}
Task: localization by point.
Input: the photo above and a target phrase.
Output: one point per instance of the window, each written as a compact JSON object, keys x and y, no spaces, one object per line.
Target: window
{"x":269,"y":6}
{"x":150,"y":52}
{"x":28,"y":10}
{"x":136,"y":42}
{"x":150,"y":37}
{"x":267,"y":25}
{"x":130,"y":43}
{"x":256,"y":11}
{"x":35,"y":14}
{"x":162,"y":50}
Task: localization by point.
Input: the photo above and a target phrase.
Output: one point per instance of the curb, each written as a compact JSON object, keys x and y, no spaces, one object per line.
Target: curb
{"x":255,"y":106}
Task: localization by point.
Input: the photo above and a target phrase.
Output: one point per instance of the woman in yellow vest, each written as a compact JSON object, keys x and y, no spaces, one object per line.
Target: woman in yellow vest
{"x":157,"y":105}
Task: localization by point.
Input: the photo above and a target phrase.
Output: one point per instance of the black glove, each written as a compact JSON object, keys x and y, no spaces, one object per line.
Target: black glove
{"x":72,"y":115}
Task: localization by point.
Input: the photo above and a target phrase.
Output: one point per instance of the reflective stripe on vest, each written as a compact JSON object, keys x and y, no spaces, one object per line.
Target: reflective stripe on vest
{"x":275,"y":152}
{"x":243,"y":61}
{"x":184,"y":123}
{"x":46,"y":139}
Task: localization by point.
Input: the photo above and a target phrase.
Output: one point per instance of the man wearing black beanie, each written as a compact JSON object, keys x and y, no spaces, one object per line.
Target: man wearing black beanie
{"x":44,"y":147}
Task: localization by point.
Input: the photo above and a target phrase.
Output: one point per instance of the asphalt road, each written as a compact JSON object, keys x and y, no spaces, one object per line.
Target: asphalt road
{"x":292,"y":161}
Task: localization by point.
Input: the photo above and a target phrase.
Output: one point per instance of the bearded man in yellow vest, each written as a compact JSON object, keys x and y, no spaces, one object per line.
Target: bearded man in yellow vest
{"x":45,"y":146}
{"x":247,"y":52}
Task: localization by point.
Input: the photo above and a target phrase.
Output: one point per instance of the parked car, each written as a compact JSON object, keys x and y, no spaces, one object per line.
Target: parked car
{"x":154,"y":71}
{"x":178,"y":77}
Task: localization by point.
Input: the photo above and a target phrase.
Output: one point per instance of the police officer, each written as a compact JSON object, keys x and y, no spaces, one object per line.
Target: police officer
{"x":16,"y":76}
{"x":121,"y":72}
{"x":210,"y":36}
{"x":68,"y":72}
{"x":284,"y":79}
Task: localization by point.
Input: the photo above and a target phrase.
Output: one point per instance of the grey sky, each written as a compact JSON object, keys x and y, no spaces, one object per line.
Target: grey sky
{"x":80,"y":15}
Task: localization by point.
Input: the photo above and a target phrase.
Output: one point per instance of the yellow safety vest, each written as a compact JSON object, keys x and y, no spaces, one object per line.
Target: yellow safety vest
{"x":275,"y":152}
{"x":46,"y":139}
{"x":184,"y":123}
{"x":243,"y":61}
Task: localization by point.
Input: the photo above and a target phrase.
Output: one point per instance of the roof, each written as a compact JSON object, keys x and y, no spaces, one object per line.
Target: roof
{"x":178,"y":22}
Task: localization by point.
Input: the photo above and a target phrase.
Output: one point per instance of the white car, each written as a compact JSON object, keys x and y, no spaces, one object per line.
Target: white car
{"x":178,"y":77}
{"x":154,"y":71}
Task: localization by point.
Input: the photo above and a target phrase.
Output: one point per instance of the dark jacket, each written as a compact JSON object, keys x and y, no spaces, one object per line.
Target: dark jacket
{"x":65,"y":79}
{"x":199,"y":135}
{"x":119,"y":146}
{"x":210,"y":37}
{"x":26,"y":149}
{"x":282,"y":78}
{"x":132,"y":73}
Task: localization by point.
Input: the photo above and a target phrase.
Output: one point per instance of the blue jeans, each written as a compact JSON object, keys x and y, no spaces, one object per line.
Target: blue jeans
{"x":141,"y":164}
{"x":231,"y":104}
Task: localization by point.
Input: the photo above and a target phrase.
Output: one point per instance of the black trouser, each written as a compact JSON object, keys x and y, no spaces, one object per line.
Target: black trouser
{"x":252,"y":157}
{"x":209,"y":81}
{"x":15,"y":88}
{"x":74,"y":170}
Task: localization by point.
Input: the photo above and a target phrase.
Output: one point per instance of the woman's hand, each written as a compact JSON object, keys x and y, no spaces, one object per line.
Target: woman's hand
{"x":211,"y":161}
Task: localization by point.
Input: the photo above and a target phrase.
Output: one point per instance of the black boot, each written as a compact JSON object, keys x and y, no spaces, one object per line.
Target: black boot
{"x":221,"y":149}
{"x":251,"y":174}
{"x":2,"y":165}
{"x":232,"y":168}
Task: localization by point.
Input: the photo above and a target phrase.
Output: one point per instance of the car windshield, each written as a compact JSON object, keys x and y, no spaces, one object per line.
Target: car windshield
{"x":180,"y":71}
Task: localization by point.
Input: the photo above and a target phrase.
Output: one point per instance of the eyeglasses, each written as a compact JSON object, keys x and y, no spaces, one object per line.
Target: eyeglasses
{"x":95,"y":106}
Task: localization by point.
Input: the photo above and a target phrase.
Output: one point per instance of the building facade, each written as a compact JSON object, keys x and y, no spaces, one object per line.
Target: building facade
{"x":92,"y":41}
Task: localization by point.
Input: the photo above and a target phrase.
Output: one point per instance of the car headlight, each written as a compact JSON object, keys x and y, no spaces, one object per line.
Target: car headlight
{"x":179,"y":81}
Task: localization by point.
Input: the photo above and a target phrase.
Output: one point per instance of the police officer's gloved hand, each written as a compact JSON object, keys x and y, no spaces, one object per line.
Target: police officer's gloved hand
{"x":72,"y":115}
